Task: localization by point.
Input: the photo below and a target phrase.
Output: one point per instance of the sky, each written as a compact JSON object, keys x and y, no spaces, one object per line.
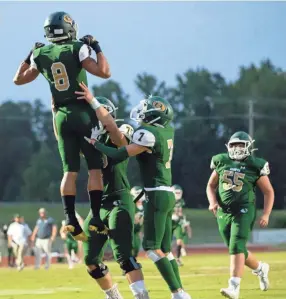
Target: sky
{"x":160,"y":38}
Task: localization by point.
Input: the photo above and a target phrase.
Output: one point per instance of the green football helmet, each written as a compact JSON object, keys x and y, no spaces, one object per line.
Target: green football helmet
{"x":60,"y":26}
{"x":240,"y":146}
{"x":155,"y":110}
{"x":108,"y":105}
{"x":178,"y":191}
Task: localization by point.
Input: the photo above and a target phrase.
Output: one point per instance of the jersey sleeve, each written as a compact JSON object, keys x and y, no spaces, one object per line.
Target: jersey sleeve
{"x":83,"y":53}
{"x":265,"y":169}
{"x":33,"y":64}
{"x":213,"y":163}
{"x":144,"y":137}
{"x":127,"y":131}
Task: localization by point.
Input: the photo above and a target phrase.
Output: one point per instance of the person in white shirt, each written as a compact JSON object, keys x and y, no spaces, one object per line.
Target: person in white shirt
{"x":18,"y":239}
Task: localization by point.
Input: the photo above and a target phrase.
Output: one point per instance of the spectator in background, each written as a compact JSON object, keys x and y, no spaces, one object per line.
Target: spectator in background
{"x":18,"y":239}
{"x":11,"y":257}
{"x":44,"y":233}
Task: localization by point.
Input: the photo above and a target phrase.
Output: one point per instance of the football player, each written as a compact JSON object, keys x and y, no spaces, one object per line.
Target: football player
{"x":64,"y":63}
{"x":180,"y":202}
{"x":117,"y":213}
{"x":152,"y":143}
{"x":236,"y":175}
{"x":181,"y":231}
{"x":138,"y":220}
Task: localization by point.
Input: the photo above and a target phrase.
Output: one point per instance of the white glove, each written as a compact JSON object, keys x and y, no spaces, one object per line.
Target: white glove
{"x":96,"y":132}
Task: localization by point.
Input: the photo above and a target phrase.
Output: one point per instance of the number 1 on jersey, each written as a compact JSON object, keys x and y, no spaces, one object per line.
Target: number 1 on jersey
{"x":60,"y":76}
{"x":170,"y":147}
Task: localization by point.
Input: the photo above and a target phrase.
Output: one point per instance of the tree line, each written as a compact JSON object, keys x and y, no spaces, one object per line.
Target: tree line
{"x":208,"y":109}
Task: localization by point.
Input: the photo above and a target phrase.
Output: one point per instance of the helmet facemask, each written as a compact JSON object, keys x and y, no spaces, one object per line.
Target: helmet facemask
{"x":239,"y":149}
{"x":138,"y":113}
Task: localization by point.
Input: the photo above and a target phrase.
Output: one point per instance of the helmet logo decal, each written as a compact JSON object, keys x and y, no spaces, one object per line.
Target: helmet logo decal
{"x":68,"y":19}
{"x":159,"y":105}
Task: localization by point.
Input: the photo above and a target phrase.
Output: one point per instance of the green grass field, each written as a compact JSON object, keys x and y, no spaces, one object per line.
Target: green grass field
{"x":202,"y":275}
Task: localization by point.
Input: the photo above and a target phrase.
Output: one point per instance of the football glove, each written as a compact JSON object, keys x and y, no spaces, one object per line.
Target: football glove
{"x":36,"y":46}
{"x":91,"y":42}
{"x":97,"y":131}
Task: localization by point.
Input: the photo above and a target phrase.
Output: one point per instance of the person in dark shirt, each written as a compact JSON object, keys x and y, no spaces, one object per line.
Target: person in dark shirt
{"x":11,"y":257}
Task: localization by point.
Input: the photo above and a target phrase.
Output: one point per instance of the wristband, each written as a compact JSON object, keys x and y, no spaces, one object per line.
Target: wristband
{"x":94,"y":104}
{"x":96,"y":47}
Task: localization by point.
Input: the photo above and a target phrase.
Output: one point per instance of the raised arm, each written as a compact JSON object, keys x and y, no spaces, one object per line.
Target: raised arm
{"x":103,"y":115}
{"x":99,"y":68}
{"x":27,"y":72}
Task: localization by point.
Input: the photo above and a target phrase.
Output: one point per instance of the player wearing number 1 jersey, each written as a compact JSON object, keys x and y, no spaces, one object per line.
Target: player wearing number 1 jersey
{"x":236,"y":175}
{"x":152,"y":143}
{"x":64,"y":63}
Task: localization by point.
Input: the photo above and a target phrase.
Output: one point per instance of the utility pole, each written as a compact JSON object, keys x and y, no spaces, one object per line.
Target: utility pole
{"x":251,"y":118}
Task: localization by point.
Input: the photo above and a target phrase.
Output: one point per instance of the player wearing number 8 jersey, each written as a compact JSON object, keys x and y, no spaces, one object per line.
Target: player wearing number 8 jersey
{"x":152,"y":143}
{"x":64,"y":63}
{"x":236,"y":175}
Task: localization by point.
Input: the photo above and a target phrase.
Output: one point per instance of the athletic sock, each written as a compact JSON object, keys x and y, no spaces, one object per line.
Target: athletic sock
{"x":95,"y":197}
{"x":259,"y":267}
{"x":179,"y":247}
{"x":165,"y":268}
{"x":68,"y":204}
{"x":176,"y":271}
{"x":137,"y":287}
{"x":235,"y":280}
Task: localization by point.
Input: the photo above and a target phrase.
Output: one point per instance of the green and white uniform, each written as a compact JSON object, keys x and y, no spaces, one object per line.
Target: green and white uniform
{"x":117,"y":213}
{"x":179,"y":224}
{"x":236,"y":198}
{"x":61,"y":66}
{"x":155,"y":168}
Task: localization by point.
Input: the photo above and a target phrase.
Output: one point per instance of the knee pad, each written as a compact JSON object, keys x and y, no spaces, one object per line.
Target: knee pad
{"x":153,"y":255}
{"x":129,"y":265}
{"x":100,"y":271}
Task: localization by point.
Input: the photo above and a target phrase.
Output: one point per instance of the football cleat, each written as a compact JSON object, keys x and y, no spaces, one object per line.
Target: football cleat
{"x":263,"y":276}
{"x":73,"y":227}
{"x":232,"y":292}
{"x":96,"y":225}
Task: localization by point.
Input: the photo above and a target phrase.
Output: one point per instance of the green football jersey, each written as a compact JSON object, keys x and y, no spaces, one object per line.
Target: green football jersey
{"x":237,"y":179}
{"x":155,"y":165}
{"x":60,"y":64}
{"x":115,"y":175}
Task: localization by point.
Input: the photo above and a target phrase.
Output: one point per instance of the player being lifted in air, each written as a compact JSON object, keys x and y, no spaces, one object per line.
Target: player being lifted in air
{"x":236,"y":175}
{"x":180,"y":225}
{"x":152,"y":143}
{"x":117,"y":213}
{"x":64,"y":63}
{"x":139,"y":218}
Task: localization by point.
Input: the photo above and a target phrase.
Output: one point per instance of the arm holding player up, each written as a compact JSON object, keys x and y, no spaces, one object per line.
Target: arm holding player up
{"x":104,"y":117}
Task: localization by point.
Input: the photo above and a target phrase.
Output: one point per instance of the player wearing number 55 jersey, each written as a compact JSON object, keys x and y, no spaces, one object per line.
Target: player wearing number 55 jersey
{"x":152,"y":143}
{"x":236,"y":175}
{"x":64,"y":63}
